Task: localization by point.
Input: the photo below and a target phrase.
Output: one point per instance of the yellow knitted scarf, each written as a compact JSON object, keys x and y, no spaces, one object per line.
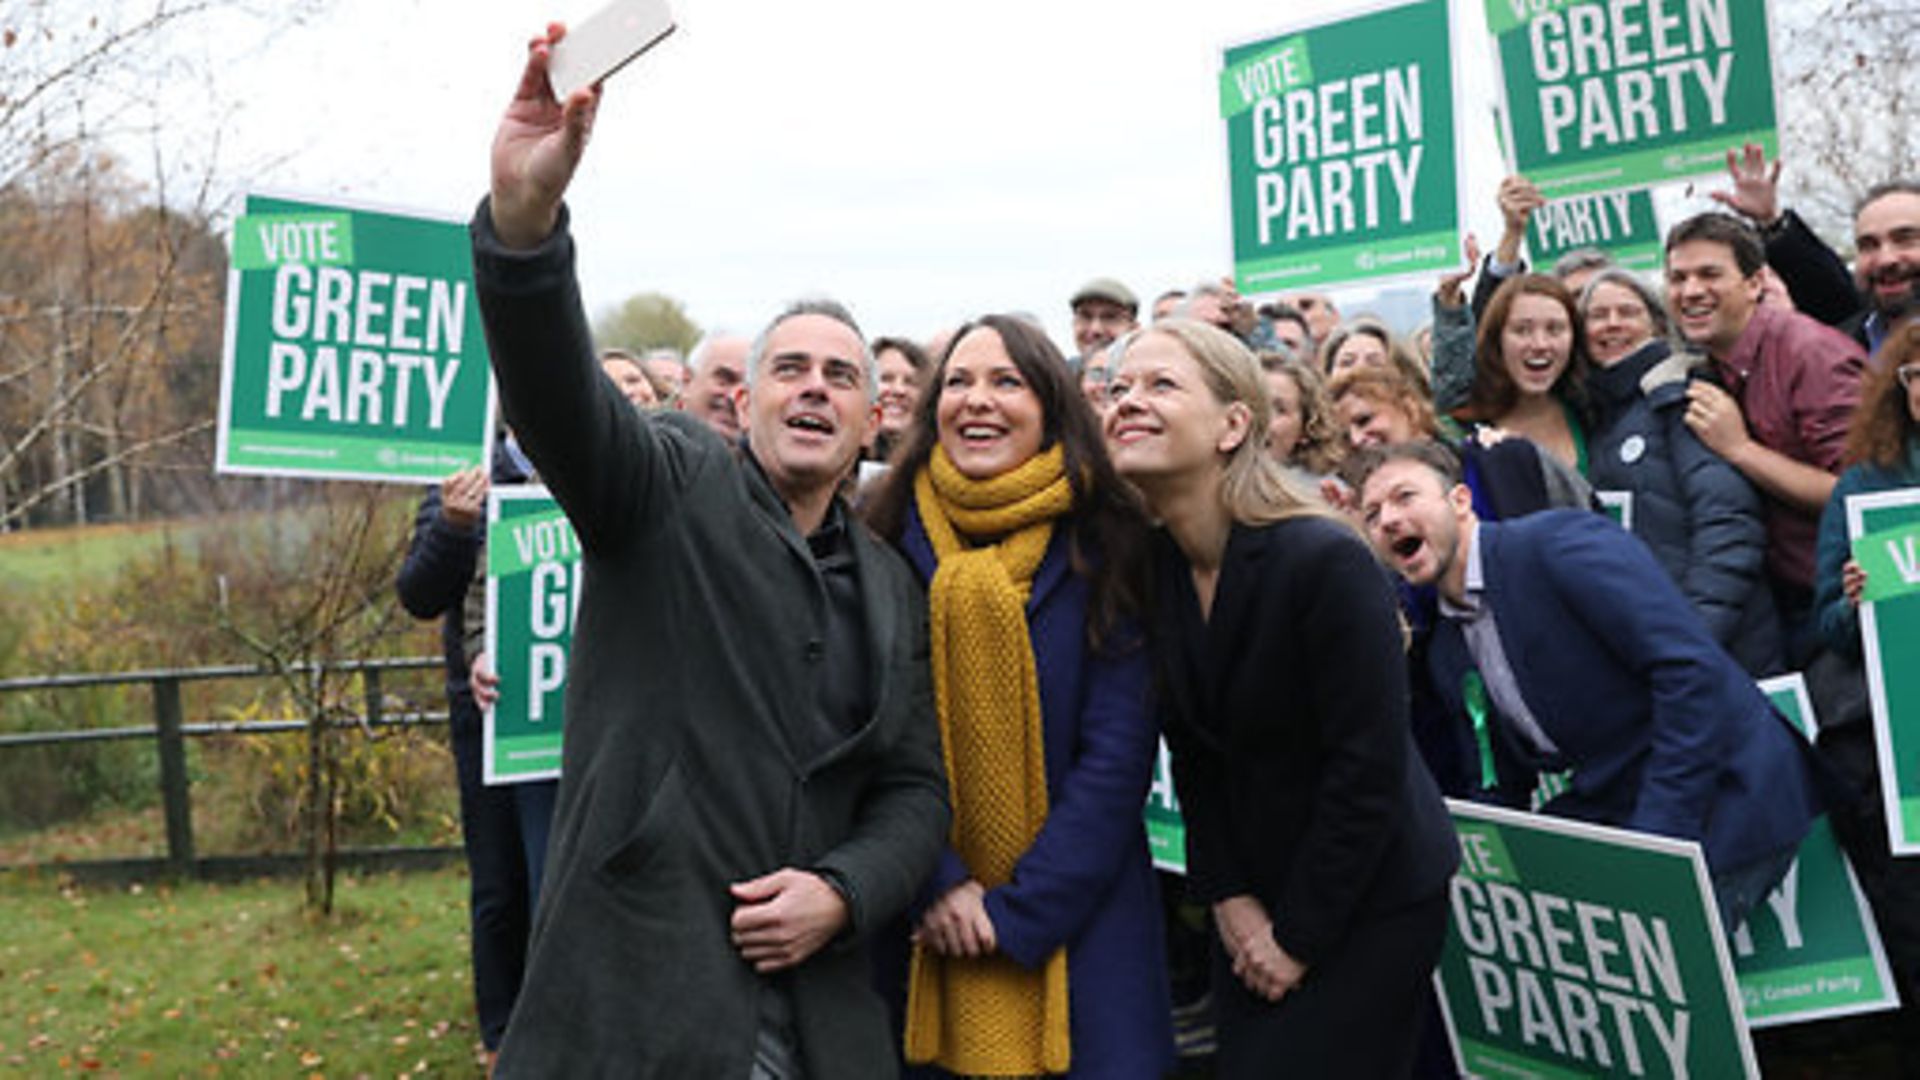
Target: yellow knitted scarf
{"x":989,"y":1016}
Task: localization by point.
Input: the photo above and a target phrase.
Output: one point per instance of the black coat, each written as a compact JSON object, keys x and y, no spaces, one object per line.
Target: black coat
{"x":690,"y":692}
{"x":1816,"y":277}
{"x":1287,"y":717}
{"x":442,"y":559}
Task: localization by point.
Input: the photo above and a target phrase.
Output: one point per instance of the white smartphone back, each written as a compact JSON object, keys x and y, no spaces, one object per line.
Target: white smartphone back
{"x":605,"y":42}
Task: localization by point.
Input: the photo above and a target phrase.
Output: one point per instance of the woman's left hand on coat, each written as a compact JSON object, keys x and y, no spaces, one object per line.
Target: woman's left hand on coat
{"x":1258,"y":960}
{"x":957,"y":924}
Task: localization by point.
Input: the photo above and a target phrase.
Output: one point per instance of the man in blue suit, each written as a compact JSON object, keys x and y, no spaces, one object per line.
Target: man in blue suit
{"x":1566,"y":646}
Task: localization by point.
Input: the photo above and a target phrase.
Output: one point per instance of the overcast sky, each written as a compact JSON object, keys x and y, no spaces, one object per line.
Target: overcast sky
{"x":923,"y":162}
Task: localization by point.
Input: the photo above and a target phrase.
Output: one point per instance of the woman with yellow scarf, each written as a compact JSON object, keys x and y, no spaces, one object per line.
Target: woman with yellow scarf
{"x":1036,"y":949}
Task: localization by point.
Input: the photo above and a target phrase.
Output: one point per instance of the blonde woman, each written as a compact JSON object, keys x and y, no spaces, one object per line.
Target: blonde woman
{"x":1313,"y":829}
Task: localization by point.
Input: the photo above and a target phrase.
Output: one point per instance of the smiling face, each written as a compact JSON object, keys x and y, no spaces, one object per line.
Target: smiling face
{"x":1098,"y":323}
{"x":1618,"y":322}
{"x":899,"y":391}
{"x":1711,"y":300}
{"x":1536,"y":344}
{"x":1165,"y":426}
{"x":1284,"y":430}
{"x":1886,"y":239}
{"x":1373,"y":422}
{"x":1417,"y":523}
{"x":807,"y":407}
{"x":631,"y":380}
{"x":990,"y":421}
{"x":710,"y":394}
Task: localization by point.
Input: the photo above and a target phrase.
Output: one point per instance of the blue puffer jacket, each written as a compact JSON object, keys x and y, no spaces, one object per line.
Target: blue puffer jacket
{"x":1698,"y":514}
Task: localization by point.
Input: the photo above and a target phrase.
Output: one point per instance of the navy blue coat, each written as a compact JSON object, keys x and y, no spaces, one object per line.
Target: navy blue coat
{"x":1664,"y":731}
{"x":1287,"y":715}
{"x":1087,"y":882}
{"x":1699,"y":515}
{"x":439,"y":569}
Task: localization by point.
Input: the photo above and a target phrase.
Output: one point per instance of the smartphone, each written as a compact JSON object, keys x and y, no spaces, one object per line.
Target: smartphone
{"x":605,"y":42}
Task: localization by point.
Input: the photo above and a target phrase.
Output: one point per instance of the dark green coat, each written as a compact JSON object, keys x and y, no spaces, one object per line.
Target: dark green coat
{"x":695,"y":660}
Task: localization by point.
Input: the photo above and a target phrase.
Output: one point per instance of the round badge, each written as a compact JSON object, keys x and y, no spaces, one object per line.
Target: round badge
{"x":1633,"y":449}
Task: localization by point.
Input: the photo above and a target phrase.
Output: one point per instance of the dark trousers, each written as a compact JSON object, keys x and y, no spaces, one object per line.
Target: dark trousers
{"x":1358,"y":1013}
{"x":504,"y":830}
{"x":1892,"y":884}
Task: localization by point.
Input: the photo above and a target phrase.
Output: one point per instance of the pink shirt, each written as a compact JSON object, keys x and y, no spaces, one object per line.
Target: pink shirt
{"x":1798,"y":382}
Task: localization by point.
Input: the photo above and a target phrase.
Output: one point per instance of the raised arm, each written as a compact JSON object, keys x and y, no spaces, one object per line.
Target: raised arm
{"x":1815,"y":276}
{"x":446,"y":538}
{"x":537,"y":148}
{"x":603,"y":463}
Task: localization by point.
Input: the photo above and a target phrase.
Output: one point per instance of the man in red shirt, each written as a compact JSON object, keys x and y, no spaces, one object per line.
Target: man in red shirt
{"x":1792,"y":385}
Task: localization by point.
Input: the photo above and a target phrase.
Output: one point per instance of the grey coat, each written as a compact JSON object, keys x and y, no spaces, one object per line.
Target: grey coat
{"x":1698,"y":514}
{"x":698,"y":645}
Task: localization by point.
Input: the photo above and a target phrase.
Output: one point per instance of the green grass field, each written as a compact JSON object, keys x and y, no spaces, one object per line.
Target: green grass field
{"x":56,"y":557}
{"x":204,"y":980}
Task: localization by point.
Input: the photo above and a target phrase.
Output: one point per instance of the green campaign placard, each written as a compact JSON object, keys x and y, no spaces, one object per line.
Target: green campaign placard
{"x":1342,"y":158}
{"x":533,"y":589}
{"x":1891,"y":558}
{"x":1618,"y":223}
{"x":353,"y":345}
{"x":1890,"y":638}
{"x":1811,"y":951}
{"x":1575,"y":950}
{"x":1601,"y":95}
{"x":1166,"y":829}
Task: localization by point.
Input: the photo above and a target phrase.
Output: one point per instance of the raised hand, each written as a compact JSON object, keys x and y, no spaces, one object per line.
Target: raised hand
{"x":463,"y":496}
{"x":1449,"y":291}
{"x":1518,"y":199}
{"x":537,"y":147}
{"x":1756,"y":186}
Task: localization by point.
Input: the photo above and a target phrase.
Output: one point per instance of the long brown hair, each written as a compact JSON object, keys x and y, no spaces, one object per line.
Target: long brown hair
{"x":1494,"y":393}
{"x":1107,"y":527}
{"x":1883,"y":426}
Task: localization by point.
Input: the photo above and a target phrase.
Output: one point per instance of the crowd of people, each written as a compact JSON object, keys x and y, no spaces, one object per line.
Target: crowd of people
{"x":879,"y":640}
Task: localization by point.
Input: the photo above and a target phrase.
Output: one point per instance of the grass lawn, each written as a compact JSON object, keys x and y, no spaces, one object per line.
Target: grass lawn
{"x":40,"y":558}
{"x":204,"y":980}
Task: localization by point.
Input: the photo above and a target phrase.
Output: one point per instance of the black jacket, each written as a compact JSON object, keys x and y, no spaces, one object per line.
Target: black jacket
{"x":1287,"y":717}
{"x":441,"y":561}
{"x":691,"y":691}
{"x":1816,"y":278}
